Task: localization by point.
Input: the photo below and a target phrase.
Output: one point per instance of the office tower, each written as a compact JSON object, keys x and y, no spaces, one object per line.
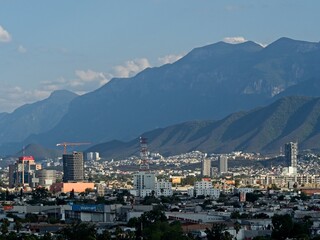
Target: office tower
{"x":291,"y":152}
{"x":46,"y":177}
{"x":21,"y":173}
{"x":73,"y":167}
{"x":206,"y":167}
{"x":223,"y":163}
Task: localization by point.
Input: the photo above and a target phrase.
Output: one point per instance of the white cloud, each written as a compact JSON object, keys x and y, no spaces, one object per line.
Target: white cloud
{"x":169,"y":58}
{"x":22,"y":49}
{"x":4,"y":35}
{"x":12,"y":97}
{"x":84,"y":81}
{"x":234,"y":40}
{"x":130,"y":68}
{"x":89,"y":75}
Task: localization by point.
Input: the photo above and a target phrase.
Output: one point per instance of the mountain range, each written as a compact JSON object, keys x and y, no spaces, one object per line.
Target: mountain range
{"x":210,"y":82}
{"x":263,"y":130}
{"x":32,"y":118}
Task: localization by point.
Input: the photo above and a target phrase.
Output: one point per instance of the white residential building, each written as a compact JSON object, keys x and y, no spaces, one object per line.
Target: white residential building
{"x":223,"y":164}
{"x":204,"y":188}
{"x":163,"y":188}
{"x":206,"y":167}
{"x":144,"y":183}
{"x":245,"y":190}
{"x":93,"y":156}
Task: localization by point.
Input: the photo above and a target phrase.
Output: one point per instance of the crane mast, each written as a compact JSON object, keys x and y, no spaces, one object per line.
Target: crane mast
{"x":65,"y":144}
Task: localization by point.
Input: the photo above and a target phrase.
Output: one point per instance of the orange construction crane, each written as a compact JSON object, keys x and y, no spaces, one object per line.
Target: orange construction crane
{"x":65,"y":144}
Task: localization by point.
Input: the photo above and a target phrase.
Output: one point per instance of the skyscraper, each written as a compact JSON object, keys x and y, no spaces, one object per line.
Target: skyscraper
{"x":291,"y":153}
{"x":73,"y":167}
{"x":223,"y":163}
{"x":206,"y":167}
{"x":22,"y":172}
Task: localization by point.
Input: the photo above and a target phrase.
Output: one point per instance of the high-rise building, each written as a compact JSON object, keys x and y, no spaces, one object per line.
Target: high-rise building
{"x":93,"y":156}
{"x":223,"y":164}
{"x":291,"y":153}
{"x":46,"y":177}
{"x":146,"y":184}
{"x":73,"y":167}
{"x":22,"y":172}
{"x":206,"y":167}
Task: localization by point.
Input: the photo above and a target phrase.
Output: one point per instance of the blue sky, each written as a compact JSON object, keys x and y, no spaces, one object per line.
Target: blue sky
{"x":80,"y":45}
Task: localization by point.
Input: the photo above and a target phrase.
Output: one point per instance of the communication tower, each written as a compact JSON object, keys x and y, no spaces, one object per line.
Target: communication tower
{"x":144,"y":154}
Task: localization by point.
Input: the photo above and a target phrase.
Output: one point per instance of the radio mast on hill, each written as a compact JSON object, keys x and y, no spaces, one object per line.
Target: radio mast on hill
{"x":144,"y":164}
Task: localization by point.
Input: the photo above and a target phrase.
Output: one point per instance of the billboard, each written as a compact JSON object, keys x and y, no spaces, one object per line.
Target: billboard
{"x":88,"y":207}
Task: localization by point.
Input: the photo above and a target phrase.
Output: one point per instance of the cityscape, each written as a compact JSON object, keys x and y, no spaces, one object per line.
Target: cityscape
{"x":194,"y":189}
{"x":159,"y":120}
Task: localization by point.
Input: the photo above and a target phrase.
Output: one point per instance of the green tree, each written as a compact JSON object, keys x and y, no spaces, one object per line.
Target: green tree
{"x":105,"y":235}
{"x":154,"y":225}
{"x":4,"y":226}
{"x":301,"y":229}
{"x":252,"y":197}
{"x":40,"y":194}
{"x":72,"y":194}
{"x":282,"y":226}
{"x":46,"y":236}
{"x":218,"y":232}
{"x":83,"y":231}
{"x":237,"y":226}
{"x":18,"y":225}
{"x":235,"y":215}
{"x":11,"y":236}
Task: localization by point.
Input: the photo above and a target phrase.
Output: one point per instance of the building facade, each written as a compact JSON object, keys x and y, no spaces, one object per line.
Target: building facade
{"x":93,"y":156}
{"x":46,"y":177}
{"x":146,"y":184}
{"x":73,"y":170}
{"x":204,"y":188}
{"x":206,"y":167}
{"x":22,"y":173}
{"x":223,"y":164}
{"x":291,"y":155}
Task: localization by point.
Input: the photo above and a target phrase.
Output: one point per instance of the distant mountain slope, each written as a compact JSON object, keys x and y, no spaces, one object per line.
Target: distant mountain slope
{"x":39,"y":152}
{"x":260,"y":130}
{"x":208,"y":83}
{"x":34,"y":118}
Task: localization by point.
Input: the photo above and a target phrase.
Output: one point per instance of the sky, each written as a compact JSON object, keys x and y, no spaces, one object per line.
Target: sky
{"x":79,"y":45}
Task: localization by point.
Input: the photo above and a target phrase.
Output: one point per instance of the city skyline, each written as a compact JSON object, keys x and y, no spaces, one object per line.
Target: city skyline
{"x":82,"y":45}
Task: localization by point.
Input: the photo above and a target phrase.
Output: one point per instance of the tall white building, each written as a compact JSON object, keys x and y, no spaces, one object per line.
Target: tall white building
{"x":206,"y":167}
{"x":93,"y":156}
{"x":146,"y":183}
{"x":223,"y":164}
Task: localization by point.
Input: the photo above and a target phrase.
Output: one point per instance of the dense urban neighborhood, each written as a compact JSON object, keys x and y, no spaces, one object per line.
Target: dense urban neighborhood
{"x":189,"y":196}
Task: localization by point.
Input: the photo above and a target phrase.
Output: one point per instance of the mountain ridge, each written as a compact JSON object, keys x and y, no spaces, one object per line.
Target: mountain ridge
{"x":210,"y":82}
{"x":265,"y":129}
{"x":34,"y":118}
